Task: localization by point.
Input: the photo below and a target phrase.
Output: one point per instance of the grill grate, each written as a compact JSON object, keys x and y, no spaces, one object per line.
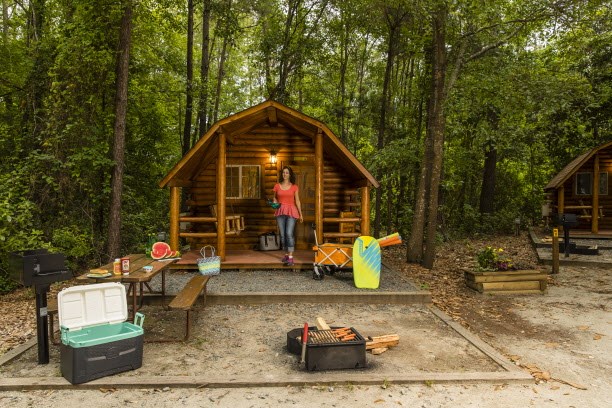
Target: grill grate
{"x":342,"y":335}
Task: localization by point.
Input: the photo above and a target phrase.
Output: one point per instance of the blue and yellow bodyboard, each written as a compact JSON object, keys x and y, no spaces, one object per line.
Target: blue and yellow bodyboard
{"x":366,"y":263}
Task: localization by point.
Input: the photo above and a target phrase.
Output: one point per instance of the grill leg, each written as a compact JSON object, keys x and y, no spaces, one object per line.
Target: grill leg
{"x":42,"y":324}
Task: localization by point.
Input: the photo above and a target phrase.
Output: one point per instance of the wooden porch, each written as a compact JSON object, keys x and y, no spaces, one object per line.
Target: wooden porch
{"x":244,"y":259}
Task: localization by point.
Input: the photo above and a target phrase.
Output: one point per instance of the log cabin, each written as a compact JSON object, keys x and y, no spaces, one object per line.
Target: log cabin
{"x":582,"y":188}
{"x":228,"y":175}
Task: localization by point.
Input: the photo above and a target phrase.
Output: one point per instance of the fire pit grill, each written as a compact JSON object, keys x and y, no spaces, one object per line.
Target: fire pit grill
{"x":326,"y":349}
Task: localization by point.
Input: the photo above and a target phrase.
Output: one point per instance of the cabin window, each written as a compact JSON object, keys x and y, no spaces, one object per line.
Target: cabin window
{"x":242,"y":181}
{"x":603,"y":183}
{"x":584,"y":185}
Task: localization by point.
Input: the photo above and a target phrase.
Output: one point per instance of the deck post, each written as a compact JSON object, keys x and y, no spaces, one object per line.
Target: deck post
{"x":595,"y":203}
{"x":365,"y":210}
{"x":221,"y":192}
{"x":175,"y":205}
{"x":319,"y":185}
{"x":560,"y":201}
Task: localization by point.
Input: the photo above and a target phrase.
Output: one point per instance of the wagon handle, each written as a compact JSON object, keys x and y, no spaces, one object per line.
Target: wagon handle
{"x":314,"y":229}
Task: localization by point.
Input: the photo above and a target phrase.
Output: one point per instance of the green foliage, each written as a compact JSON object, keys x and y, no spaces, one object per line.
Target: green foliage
{"x":539,"y":100}
{"x":19,"y":229}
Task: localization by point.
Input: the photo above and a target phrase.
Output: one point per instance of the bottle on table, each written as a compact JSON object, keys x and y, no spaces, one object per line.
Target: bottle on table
{"x":117,"y":267}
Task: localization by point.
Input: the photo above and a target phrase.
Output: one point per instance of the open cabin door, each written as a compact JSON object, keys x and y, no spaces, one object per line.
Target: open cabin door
{"x":305,"y":180}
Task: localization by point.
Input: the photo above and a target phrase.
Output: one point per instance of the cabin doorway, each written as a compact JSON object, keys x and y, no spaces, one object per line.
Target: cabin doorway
{"x":305,"y":180}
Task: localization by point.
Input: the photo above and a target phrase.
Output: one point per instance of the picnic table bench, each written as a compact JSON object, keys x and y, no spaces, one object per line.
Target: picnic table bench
{"x":187,"y":297}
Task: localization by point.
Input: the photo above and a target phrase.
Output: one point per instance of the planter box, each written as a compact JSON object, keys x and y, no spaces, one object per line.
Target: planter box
{"x":507,"y":282}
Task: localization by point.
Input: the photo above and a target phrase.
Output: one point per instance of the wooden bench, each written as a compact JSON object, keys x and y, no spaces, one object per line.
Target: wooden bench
{"x":187,"y":297}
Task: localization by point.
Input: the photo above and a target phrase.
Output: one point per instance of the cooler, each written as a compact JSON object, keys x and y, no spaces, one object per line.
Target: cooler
{"x":96,"y":340}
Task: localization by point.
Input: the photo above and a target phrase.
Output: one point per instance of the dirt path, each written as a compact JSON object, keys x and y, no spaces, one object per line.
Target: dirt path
{"x":562,"y":338}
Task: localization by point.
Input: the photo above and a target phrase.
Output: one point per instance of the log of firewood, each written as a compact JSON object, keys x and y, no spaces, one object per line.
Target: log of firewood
{"x":379,"y":350}
{"x":388,"y":340}
{"x":321,"y":324}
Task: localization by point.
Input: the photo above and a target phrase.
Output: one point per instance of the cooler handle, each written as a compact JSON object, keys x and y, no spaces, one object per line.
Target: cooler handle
{"x":138,"y":319}
{"x":64,"y":334}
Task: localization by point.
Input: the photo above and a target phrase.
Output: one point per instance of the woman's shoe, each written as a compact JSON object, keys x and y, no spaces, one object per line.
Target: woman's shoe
{"x":289,"y":261}
{"x":285,"y":259}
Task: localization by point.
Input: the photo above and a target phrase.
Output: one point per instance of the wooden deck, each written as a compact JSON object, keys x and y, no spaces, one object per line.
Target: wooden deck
{"x":250,"y":259}
{"x":587,"y":234}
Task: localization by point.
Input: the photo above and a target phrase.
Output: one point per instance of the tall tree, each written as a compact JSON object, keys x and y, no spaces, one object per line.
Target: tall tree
{"x":204,"y":69}
{"x":487,"y":192}
{"x":395,"y":17}
{"x":186,"y":140}
{"x":121,"y":99}
{"x":436,"y":122}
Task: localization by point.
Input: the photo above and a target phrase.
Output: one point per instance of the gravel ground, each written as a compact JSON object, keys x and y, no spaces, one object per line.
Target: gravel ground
{"x":283,"y":281}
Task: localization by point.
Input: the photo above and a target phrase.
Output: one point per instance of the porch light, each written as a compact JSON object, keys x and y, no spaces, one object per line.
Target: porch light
{"x":273,"y":156}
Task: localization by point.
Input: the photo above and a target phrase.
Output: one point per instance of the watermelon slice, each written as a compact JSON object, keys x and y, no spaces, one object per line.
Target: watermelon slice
{"x":160,"y":250}
{"x":173,"y":254}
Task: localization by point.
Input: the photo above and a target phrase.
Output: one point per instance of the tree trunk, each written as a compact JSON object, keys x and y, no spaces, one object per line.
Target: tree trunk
{"x":414,"y":252}
{"x":437,"y":131}
{"x":382,"y":124}
{"x":121,"y":96}
{"x":220,"y":76}
{"x":186,"y":140}
{"x":5,"y":26}
{"x":389,"y":224}
{"x":32,"y":117}
{"x":344,"y":56}
{"x":488,"y":179}
{"x":487,"y":192}
{"x":204,"y":69}
{"x":284,"y":67}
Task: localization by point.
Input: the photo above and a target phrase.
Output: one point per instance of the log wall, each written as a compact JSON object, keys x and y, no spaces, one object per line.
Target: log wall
{"x":340,"y":193}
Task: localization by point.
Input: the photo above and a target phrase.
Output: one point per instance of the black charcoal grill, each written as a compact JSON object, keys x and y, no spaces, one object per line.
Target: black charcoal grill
{"x":326,"y":351}
{"x":40,"y":269}
{"x":567,"y":221}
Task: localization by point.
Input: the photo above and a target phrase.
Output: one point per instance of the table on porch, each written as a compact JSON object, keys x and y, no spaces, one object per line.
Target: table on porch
{"x":137,"y":279}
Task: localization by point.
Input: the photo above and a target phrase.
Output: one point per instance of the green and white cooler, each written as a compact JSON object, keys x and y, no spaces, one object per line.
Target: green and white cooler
{"x":96,"y":339}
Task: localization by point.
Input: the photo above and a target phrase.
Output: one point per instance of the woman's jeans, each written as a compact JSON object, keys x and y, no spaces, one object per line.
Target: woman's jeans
{"x":286,"y":225}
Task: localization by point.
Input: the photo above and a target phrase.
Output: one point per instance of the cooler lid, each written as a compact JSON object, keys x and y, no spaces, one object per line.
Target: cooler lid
{"x":91,"y":305}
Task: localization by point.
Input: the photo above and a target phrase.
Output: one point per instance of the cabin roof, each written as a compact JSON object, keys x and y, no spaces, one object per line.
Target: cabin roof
{"x":268,"y":113}
{"x":573,"y":167}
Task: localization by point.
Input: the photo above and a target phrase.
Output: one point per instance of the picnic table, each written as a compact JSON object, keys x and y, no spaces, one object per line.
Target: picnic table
{"x":137,"y":279}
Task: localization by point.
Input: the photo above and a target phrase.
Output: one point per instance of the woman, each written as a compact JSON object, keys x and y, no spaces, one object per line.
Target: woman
{"x":290,"y":210}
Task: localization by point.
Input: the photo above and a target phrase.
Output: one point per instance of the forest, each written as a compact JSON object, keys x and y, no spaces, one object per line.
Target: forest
{"x":462,"y":109}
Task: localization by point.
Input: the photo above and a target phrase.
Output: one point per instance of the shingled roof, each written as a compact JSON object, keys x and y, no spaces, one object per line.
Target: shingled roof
{"x":572,"y":167}
{"x":265,"y":113}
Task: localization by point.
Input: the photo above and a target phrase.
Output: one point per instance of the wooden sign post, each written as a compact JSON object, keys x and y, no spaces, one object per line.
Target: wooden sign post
{"x":555,"y":251}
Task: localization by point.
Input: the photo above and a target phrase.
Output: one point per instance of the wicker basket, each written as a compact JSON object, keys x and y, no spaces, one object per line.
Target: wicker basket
{"x":209,"y":265}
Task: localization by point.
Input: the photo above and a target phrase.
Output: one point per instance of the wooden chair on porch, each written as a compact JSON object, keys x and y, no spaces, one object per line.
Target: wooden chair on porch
{"x":234,"y":223}
{"x":586,"y":212}
{"x":347,"y":226}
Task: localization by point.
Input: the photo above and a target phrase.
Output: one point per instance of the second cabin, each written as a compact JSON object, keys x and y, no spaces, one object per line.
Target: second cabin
{"x":582,"y":188}
{"x":230,"y":172}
